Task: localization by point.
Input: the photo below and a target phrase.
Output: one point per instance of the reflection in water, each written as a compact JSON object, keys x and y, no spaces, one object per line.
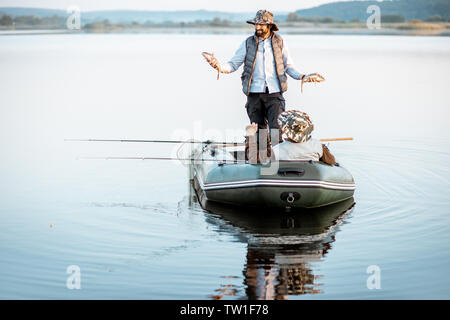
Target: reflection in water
{"x":281,"y":246}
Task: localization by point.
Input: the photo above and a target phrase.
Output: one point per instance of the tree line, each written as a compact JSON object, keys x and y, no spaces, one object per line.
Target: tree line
{"x":59,"y":21}
{"x":385,"y":18}
{"x":32,"y":20}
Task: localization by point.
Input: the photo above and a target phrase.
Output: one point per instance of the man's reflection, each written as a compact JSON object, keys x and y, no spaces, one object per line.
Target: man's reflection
{"x":281,"y":247}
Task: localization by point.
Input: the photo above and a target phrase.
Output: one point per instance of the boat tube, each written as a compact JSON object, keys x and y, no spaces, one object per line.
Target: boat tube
{"x":218,"y":175}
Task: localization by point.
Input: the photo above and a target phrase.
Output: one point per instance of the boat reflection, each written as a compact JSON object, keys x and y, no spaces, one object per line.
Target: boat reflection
{"x":281,"y":246}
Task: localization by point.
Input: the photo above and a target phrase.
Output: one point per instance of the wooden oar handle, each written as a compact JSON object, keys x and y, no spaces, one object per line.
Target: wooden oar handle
{"x":336,"y":139}
{"x":227,"y":145}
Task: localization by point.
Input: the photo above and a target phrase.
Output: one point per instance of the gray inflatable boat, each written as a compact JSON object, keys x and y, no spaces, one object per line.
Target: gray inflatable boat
{"x":218,"y":175}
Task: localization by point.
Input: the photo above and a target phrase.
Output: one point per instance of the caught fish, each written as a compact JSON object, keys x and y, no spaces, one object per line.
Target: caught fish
{"x":210,"y":58}
{"x":313,"y":77}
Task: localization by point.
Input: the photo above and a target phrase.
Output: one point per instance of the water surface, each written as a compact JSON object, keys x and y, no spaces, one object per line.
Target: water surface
{"x":134,"y":227}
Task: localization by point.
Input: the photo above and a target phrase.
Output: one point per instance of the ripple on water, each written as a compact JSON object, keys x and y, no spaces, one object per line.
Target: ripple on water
{"x":400,"y":222}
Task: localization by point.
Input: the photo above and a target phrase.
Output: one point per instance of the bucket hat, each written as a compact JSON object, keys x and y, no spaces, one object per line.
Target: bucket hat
{"x":296,"y":125}
{"x":264,"y":17}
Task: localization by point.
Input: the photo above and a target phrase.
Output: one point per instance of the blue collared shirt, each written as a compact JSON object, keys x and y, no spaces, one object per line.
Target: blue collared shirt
{"x":264,"y":74}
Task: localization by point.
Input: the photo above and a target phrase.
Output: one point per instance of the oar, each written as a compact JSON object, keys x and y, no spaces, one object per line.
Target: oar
{"x":336,"y":139}
{"x":226,"y":145}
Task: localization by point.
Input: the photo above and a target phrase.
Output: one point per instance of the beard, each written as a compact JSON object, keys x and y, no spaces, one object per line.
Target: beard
{"x":261,"y":32}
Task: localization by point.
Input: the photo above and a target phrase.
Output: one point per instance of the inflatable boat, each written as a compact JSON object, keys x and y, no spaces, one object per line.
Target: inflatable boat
{"x":224,"y":176}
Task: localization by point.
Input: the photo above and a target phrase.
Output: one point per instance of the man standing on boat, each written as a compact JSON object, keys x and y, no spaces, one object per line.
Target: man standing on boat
{"x":266,"y":62}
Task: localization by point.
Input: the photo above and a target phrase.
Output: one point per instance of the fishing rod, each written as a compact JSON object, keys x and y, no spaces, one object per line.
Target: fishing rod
{"x":186,"y":141}
{"x":138,"y":140}
{"x":214,"y":145}
{"x":186,"y":159}
{"x":161,"y":158}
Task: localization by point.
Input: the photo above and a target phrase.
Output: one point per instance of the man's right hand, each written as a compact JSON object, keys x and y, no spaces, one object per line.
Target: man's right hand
{"x":213,"y":62}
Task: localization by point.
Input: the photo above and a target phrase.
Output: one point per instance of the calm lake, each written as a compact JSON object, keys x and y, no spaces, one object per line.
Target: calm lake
{"x":134,"y":229}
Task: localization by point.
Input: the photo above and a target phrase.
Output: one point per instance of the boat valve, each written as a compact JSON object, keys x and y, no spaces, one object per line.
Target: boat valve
{"x":290,"y":198}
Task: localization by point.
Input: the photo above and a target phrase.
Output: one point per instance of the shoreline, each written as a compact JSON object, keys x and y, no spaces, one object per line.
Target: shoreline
{"x":339,"y":29}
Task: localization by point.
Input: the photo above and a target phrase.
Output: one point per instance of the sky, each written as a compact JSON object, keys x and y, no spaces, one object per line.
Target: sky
{"x":170,"y":5}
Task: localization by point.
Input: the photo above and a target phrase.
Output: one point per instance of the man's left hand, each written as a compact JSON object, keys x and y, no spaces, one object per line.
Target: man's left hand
{"x":312,"y":77}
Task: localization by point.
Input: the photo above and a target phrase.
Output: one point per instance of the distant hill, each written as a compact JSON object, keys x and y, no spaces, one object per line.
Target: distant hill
{"x":349,"y":10}
{"x":163,"y":16}
{"x":410,"y":9}
{"x":128,"y":16}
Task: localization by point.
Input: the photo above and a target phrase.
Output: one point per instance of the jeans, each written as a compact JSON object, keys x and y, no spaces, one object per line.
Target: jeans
{"x":263,"y":109}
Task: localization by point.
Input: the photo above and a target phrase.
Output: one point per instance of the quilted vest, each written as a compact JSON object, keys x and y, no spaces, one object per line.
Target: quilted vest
{"x":250,"y":58}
